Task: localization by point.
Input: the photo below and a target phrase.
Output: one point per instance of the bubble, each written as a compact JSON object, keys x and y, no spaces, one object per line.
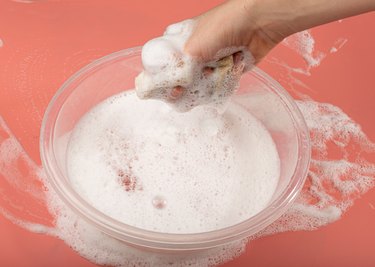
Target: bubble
{"x":156,"y":53}
{"x":159,"y":202}
{"x":170,"y":157}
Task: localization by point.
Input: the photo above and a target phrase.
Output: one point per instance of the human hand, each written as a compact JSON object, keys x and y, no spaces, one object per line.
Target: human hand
{"x":259,"y":25}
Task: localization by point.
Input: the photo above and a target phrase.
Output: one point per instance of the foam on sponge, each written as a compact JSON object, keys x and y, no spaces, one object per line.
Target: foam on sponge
{"x":185,"y":81}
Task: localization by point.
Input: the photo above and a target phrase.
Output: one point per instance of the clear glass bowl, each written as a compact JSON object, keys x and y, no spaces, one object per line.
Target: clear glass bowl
{"x":112,"y":74}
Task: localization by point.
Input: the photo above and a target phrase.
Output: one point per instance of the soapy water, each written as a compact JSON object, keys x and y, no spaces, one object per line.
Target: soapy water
{"x":340,"y":173}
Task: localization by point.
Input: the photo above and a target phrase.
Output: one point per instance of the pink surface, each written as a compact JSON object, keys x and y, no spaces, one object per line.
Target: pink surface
{"x":47,"y":41}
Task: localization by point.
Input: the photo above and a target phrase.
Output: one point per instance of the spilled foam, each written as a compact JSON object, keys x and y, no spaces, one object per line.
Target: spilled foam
{"x":186,"y":82}
{"x":341,"y":171}
{"x":303,"y":43}
{"x":339,"y":43}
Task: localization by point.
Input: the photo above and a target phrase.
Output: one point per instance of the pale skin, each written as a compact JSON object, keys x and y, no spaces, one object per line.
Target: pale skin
{"x":260,"y":25}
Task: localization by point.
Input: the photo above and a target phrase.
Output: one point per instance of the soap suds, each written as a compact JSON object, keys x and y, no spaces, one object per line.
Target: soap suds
{"x":22,"y":190}
{"x":61,"y":222}
{"x":287,"y":76}
{"x":304,"y":44}
{"x":127,"y":154}
{"x":104,"y":250}
{"x":185,"y":82}
{"x":339,"y":43}
{"x":340,"y":173}
{"x":1,"y":43}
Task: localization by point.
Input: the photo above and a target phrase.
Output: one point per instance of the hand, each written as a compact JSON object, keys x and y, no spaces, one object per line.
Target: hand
{"x":259,"y":25}
{"x":232,"y":24}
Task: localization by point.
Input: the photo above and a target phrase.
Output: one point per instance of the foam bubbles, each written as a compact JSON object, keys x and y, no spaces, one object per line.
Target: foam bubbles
{"x":172,"y":172}
{"x":332,"y":131}
{"x":303,"y":43}
{"x":186,"y":82}
{"x":339,"y":170}
{"x":159,"y":202}
{"x":156,"y":55}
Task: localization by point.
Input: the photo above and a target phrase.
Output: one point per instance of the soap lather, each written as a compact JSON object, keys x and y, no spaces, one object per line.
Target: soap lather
{"x":183,"y":81}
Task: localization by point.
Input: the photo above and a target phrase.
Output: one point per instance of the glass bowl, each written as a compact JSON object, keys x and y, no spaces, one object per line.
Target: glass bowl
{"x":112,"y":74}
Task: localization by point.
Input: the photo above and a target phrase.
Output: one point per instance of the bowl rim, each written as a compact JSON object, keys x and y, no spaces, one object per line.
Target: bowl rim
{"x":168,"y":241}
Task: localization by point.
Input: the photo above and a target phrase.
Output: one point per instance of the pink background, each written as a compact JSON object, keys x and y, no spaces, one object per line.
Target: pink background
{"x":47,"y":41}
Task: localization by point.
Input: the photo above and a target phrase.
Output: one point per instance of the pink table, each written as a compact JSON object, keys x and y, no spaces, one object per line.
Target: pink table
{"x":44,"y":42}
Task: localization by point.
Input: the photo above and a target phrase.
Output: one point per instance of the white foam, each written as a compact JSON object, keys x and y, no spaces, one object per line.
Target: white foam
{"x":304,"y":44}
{"x":172,"y":172}
{"x":339,"y":43}
{"x":1,"y":43}
{"x":186,"y":82}
{"x":328,"y":125}
{"x":339,"y":172}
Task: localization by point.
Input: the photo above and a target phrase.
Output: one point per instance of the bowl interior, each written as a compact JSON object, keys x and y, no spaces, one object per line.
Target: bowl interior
{"x":258,"y":93}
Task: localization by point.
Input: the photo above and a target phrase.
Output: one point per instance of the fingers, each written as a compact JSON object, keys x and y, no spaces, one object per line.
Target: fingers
{"x":238,"y":67}
{"x":237,"y":61}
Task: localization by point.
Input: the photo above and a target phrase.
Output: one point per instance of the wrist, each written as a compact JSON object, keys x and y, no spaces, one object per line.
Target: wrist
{"x":274,"y":18}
